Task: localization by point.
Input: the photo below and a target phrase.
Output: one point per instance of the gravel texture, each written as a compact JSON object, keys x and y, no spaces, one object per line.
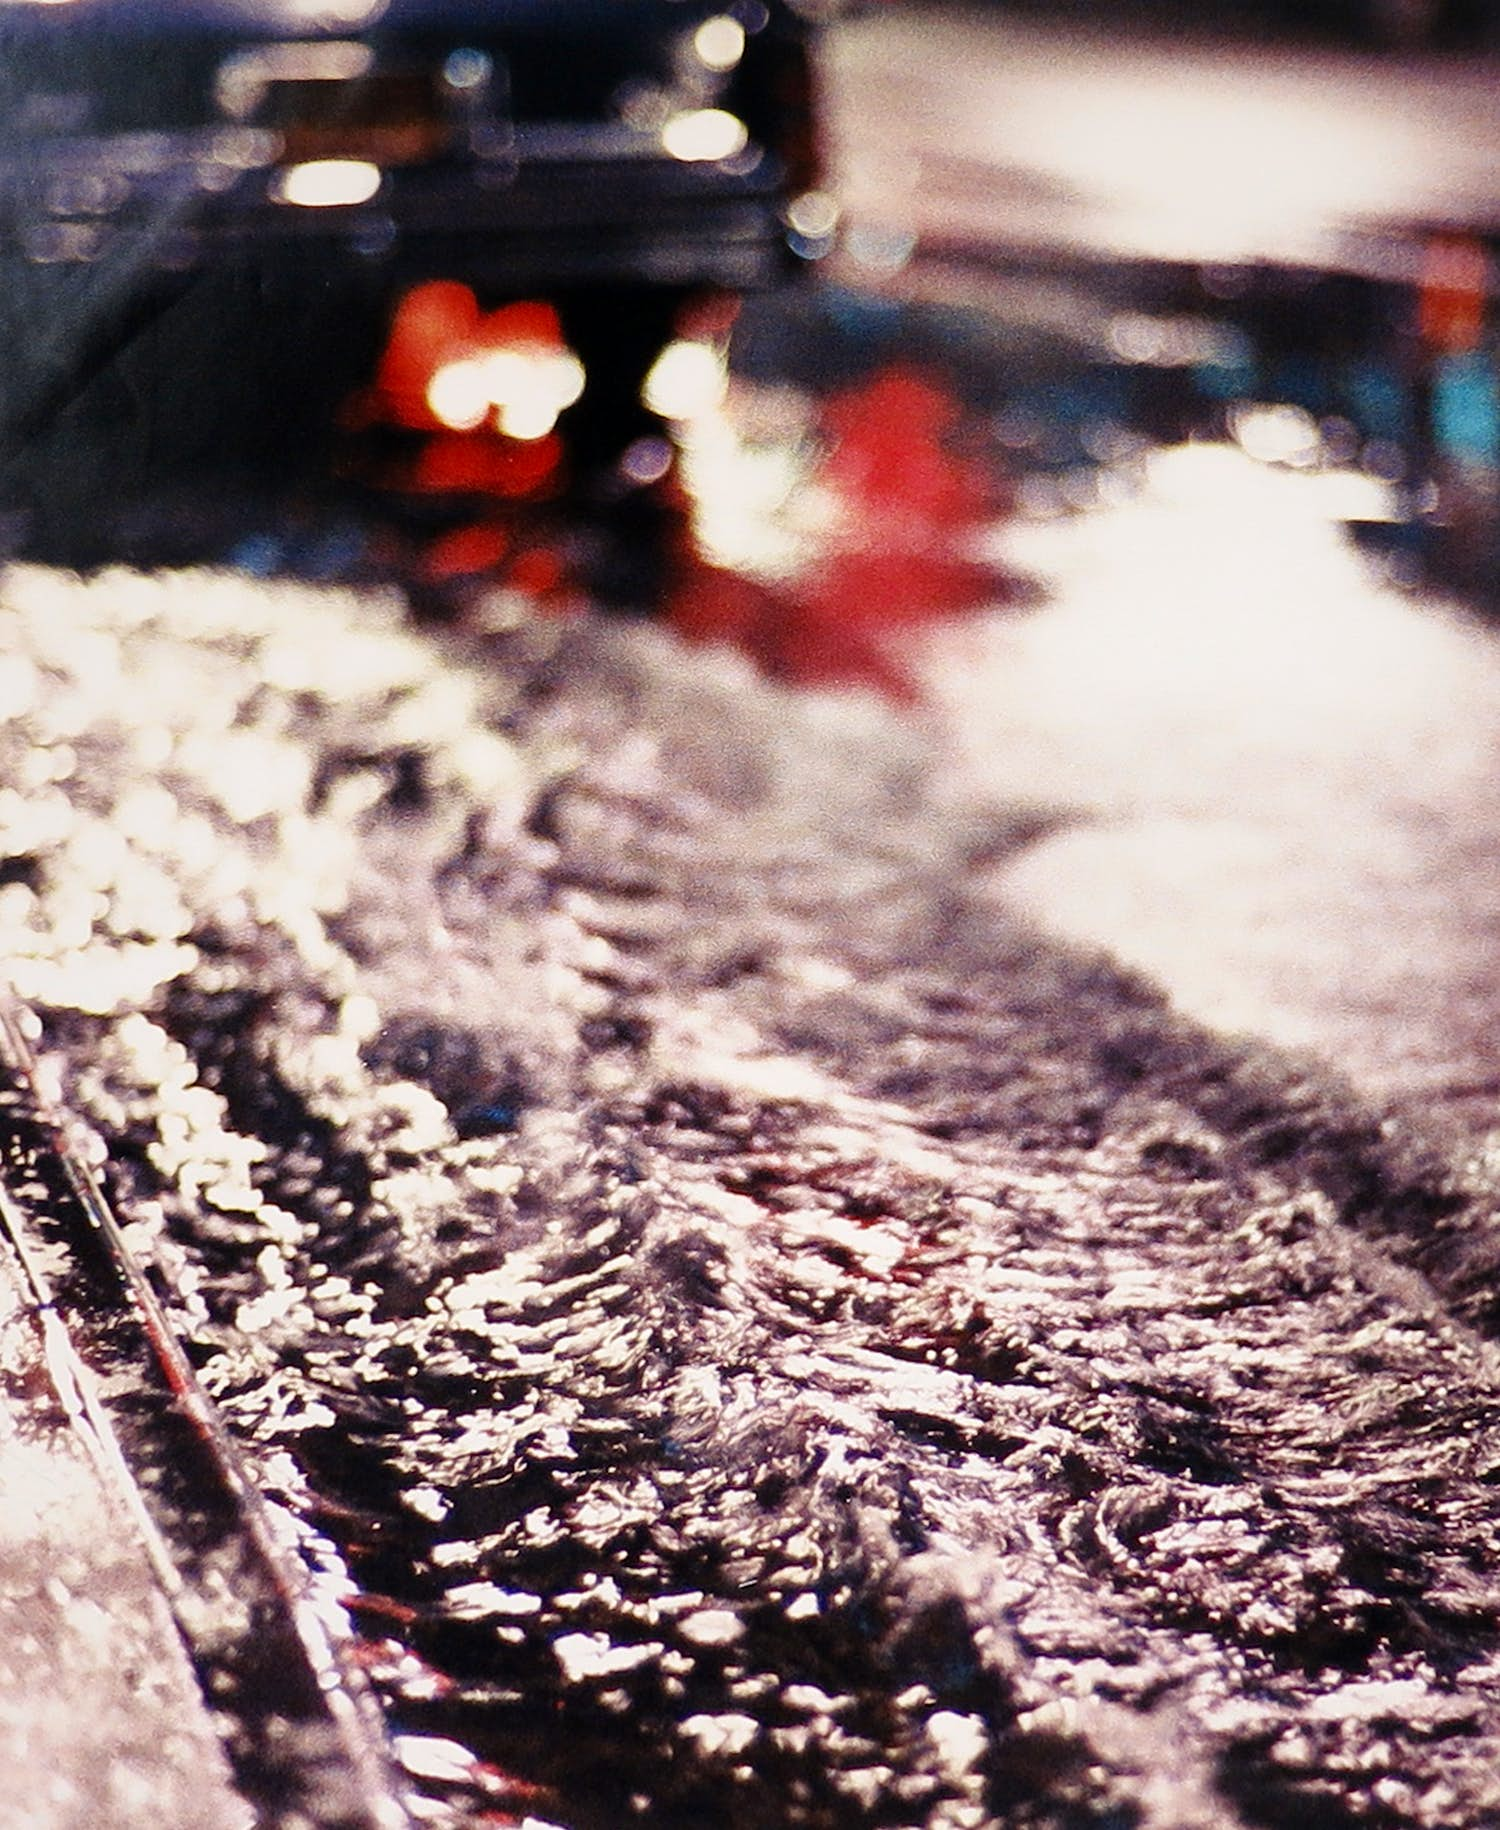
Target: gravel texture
{"x":759,"y":1337}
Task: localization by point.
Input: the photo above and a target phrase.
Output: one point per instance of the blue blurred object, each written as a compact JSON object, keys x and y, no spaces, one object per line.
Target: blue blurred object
{"x":1466,"y":410}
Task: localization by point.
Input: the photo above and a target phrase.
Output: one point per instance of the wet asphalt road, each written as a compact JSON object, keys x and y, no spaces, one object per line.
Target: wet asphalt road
{"x":1282,"y":769}
{"x":1218,"y":746}
{"x":1274,"y":776}
{"x":753,"y":1330}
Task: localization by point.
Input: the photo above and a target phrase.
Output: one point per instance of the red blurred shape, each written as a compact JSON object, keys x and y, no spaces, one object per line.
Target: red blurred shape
{"x":889,"y":455}
{"x":479,"y":463}
{"x":464,"y":552}
{"x":432,"y":324}
{"x":1455,"y":290}
{"x":528,"y":321}
{"x":440,"y":322}
{"x":813,"y":648}
{"x":907,"y":502}
{"x":710,"y":604}
{"x":538,"y":571}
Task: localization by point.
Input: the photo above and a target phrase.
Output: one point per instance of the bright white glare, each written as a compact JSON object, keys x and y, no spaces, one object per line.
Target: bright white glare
{"x":751,"y":477}
{"x":687,"y":380}
{"x":1252,"y":731}
{"x":1202,"y":151}
{"x":506,"y":375}
{"x":526,"y":419}
{"x":322,"y":184}
{"x":1277,"y":435}
{"x":525,"y":387}
{"x":567,"y":378}
{"x":814,"y":214}
{"x":1351,"y":495}
{"x":459,"y":396}
{"x":518,"y":374}
{"x":702,"y":135}
{"x":720,"y":43}
{"x":529,"y":388}
{"x":1199,"y":161}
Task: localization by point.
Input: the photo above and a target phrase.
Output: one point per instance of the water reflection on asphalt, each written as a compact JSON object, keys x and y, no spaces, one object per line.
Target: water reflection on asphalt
{"x":1242,"y":531}
{"x":836,"y":495}
{"x":1276,"y":773}
{"x":1159,"y":538}
{"x":879,"y":424}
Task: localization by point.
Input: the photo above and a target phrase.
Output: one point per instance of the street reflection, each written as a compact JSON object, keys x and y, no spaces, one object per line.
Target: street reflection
{"x":843,"y":539}
{"x":810,"y":530}
{"x":1278,"y":774}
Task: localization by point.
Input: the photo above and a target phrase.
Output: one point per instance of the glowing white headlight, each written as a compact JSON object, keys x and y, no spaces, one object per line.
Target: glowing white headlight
{"x":323,"y":184}
{"x":459,"y":394}
{"x":703,"y":134}
{"x":720,"y":43}
{"x":688,"y":379}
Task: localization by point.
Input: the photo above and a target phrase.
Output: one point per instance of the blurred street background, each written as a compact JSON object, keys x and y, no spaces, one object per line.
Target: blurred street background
{"x":1227,"y":283}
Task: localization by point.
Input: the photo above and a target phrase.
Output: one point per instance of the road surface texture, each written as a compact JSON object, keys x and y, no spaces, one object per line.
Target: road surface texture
{"x":1280,"y":775}
{"x":758,"y":1331}
{"x":100,"y":1719}
{"x":784,"y":1263}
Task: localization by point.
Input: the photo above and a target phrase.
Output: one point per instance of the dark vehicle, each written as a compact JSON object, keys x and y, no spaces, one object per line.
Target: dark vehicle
{"x":1394,"y":25}
{"x":209,"y":209}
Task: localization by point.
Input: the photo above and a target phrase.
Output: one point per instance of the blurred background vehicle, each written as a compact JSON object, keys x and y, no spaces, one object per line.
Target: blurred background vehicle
{"x":211,"y":212}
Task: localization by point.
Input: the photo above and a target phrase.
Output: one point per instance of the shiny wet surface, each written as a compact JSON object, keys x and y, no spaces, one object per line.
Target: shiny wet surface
{"x":677,"y":1186}
{"x":1275,"y":773}
{"x":746,"y":1328}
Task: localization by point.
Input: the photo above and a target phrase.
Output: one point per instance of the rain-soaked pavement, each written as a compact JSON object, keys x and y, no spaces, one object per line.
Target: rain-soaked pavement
{"x":1273,"y":773}
{"x":779,"y":1254}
